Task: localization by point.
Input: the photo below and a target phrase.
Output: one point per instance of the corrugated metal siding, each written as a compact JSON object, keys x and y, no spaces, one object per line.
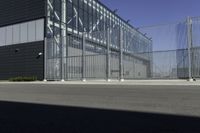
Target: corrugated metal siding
{"x":15,"y":11}
{"x":21,"y":63}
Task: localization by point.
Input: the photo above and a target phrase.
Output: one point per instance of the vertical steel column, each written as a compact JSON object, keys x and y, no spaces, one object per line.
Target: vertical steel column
{"x":62,"y":34}
{"x":54,"y":41}
{"x":83,"y":57}
{"x":45,"y":41}
{"x":121,"y":55}
{"x":67,"y":41}
{"x":189,"y":41}
{"x":108,"y":55}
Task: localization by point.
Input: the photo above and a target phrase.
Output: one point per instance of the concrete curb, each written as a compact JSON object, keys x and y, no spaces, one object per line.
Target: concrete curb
{"x":114,"y":82}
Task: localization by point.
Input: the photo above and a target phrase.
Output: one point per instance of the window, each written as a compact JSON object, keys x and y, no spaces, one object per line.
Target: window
{"x":16,"y":35}
{"x":39,"y":30}
{"x":31,"y":31}
{"x":9,"y":35}
{"x":23,"y":32}
{"x":2,"y":36}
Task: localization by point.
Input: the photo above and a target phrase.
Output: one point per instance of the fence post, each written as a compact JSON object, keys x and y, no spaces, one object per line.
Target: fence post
{"x":121,"y":55}
{"x":108,"y":56}
{"x":66,"y":60}
{"x":62,"y":59}
{"x":62,"y":37}
{"x":45,"y":59}
{"x":189,"y":41}
{"x":83,"y":57}
{"x":67,"y":41}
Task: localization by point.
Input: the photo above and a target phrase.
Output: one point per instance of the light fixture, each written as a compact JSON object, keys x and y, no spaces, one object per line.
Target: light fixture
{"x":39,"y":55}
{"x":16,"y":50}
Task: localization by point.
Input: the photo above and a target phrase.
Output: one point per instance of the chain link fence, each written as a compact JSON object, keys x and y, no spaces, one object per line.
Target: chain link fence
{"x":173,"y":52}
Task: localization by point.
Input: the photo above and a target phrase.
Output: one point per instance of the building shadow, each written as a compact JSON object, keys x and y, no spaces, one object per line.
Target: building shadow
{"x":37,"y":118}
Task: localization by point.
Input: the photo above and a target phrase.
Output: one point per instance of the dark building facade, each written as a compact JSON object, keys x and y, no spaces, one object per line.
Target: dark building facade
{"x":21,"y":38}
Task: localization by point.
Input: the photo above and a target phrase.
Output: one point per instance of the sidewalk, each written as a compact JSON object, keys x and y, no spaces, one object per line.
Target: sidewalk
{"x":115,"y":82}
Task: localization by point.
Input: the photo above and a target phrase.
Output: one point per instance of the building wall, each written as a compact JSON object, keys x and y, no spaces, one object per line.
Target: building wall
{"x":29,"y":31}
{"x":22,"y":60}
{"x":15,"y":11}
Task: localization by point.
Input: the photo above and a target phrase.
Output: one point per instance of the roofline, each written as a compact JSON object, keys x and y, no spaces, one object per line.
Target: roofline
{"x":121,"y":19}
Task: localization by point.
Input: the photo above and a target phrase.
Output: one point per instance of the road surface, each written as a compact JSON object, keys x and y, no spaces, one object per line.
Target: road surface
{"x":99,"y":108}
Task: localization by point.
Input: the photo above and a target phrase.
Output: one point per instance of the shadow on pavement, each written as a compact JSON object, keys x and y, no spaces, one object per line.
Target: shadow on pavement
{"x":37,"y":118}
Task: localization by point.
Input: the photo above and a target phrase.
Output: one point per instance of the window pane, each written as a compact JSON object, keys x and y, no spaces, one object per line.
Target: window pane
{"x":2,"y":36}
{"x":9,"y":35}
{"x":16,"y":33}
{"x":31,"y":31}
{"x":40,"y":30}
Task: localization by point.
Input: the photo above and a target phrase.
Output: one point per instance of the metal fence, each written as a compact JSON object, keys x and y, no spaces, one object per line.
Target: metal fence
{"x":175,"y":54}
{"x":96,"y":62}
{"x":176,"y":48}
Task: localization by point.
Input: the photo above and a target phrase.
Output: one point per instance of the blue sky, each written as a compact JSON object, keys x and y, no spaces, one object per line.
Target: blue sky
{"x":152,"y":12}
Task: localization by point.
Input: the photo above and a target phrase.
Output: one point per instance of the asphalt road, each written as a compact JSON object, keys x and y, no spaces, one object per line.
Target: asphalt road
{"x":99,"y":108}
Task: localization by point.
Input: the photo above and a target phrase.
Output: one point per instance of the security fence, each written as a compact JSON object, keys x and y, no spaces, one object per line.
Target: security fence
{"x":176,"y":48}
{"x":170,"y":51}
{"x":83,"y":58}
